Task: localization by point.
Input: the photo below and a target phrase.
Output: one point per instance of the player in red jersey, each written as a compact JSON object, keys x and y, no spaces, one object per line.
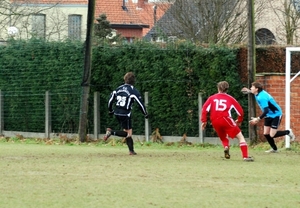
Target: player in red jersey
{"x":219,"y":107}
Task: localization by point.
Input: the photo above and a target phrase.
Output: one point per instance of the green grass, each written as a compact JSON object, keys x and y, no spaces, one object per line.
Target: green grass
{"x":99,"y":175}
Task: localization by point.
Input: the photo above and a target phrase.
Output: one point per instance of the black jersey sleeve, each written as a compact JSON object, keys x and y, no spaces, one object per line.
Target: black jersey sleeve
{"x":139,"y":100}
{"x":266,"y":110}
{"x":111,"y":101}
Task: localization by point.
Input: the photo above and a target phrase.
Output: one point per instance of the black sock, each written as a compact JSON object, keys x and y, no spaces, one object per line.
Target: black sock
{"x":119,"y":133}
{"x":281,"y":133}
{"x":271,"y":141}
{"x":129,"y":142}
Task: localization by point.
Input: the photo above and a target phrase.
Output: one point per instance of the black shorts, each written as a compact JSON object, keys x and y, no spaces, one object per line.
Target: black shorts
{"x":273,"y":122}
{"x":125,"y":122}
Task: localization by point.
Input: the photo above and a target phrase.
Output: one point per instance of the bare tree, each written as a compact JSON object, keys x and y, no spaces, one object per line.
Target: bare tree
{"x":206,"y":21}
{"x":18,"y":13}
{"x":59,"y":21}
{"x":288,"y":17}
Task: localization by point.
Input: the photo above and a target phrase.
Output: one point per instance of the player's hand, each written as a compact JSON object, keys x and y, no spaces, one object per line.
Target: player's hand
{"x":245,"y":90}
{"x":111,"y":113}
{"x":254,"y":121}
{"x":238,"y":122}
{"x":203,"y":125}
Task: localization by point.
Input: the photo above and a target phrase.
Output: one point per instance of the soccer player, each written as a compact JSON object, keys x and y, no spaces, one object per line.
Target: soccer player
{"x":124,"y":97}
{"x":272,"y":114}
{"x":219,"y":106}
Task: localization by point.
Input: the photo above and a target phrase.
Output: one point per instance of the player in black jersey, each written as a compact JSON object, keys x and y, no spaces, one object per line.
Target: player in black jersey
{"x":123,"y":97}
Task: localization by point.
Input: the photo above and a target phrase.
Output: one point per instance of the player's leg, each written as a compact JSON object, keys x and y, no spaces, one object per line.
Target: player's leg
{"x":234,"y":131}
{"x":127,"y":127}
{"x":130,"y":144}
{"x":119,"y":133}
{"x":269,"y":134}
{"x":110,"y":132}
{"x":277,"y":133}
{"x":243,"y":147}
{"x":219,"y":128}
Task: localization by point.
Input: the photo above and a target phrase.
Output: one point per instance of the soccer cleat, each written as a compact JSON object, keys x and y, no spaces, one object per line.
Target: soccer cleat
{"x":272,"y":151}
{"x":132,"y":153}
{"x":107,"y":135}
{"x":226,"y":153}
{"x":291,"y":135}
{"x":248,"y":159}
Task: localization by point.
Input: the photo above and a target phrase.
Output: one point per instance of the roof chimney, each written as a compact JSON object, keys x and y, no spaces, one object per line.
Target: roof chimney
{"x":141,"y":3}
{"x":154,"y":13}
{"x":124,"y":6}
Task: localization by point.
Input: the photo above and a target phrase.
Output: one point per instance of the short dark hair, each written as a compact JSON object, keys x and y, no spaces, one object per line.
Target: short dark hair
{"x":129,"y":78}
{"x":257,"y":85}
{"x":223,"y":86}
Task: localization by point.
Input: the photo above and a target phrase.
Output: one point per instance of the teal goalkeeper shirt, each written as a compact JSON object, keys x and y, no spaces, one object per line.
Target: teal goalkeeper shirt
{"x":264,"y":100}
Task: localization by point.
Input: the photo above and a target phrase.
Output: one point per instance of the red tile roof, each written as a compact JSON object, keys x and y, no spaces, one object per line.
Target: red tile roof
{"x":136,"y":13}
{"x":51,"y":1}
{"x":114,"y":12}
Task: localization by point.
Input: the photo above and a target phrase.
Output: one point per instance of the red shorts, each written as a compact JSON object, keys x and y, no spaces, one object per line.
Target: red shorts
{"x":226,"y":126}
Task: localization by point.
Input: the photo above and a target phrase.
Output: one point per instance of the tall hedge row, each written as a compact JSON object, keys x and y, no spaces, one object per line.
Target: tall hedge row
{"x":30,"y":68}
{"x":173,"y":75}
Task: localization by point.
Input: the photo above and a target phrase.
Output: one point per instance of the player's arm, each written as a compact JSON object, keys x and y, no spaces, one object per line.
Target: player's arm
{"x":137,"y":97}
{"x":205,"y":110}
{"x":239,"y":110}
{"x":263,"y":104}
{"x":111,"y":101}
{"x":245,"y":90}
{"x":254,"y":121}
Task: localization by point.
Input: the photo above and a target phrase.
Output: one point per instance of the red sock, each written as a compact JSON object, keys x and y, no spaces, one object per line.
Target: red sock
{"x":244,"y":149}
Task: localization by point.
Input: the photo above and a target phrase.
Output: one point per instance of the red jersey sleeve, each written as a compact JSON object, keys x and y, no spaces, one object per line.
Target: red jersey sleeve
{"x":205,"y":110}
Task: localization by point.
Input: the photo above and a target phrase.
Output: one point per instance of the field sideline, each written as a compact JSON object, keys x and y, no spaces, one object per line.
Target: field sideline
{"x":87,"y":175}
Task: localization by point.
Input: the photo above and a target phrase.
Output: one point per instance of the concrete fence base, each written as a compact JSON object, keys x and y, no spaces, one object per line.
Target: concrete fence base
{"x":194,"y":140}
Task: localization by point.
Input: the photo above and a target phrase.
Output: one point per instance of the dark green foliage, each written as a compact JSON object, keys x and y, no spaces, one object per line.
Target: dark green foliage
{"x":173,"y":76}
{"x":27,"y":71}
{"x":103,"y":31}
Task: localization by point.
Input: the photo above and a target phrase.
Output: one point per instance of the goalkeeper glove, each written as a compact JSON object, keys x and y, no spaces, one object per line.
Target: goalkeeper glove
{"x":254,"y":120}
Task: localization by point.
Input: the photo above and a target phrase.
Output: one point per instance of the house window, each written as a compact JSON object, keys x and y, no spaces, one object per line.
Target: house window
{"x":39,"y":25}
{"x":264,"y":36}
{"x":297,"y":5}
{"x":74,"y":24}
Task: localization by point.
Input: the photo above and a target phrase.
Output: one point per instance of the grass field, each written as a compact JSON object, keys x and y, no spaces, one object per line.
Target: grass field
{"x":88,"y":175}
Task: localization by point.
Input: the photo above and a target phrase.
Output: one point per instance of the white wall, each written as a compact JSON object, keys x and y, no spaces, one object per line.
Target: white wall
{"x":56,"y":20}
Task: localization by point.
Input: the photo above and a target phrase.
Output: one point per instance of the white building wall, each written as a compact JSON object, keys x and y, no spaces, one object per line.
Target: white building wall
{"x":56,"y":20}
{"x":273,"y":17}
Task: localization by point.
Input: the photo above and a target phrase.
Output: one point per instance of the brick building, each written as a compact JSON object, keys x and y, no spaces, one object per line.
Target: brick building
{"x":131,"y":18}
{"x":274,"y":83}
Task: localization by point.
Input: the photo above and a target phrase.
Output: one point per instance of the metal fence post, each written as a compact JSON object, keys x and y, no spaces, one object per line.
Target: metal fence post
{"x":147,"y":120}
{"x":96,"y":115}
{"x":200,"y":103}
{"x":47,"y":115}
{"x":1,"y":113}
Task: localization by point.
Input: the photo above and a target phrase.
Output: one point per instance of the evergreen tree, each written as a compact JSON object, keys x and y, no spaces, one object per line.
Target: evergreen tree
{"x":103,"y":31}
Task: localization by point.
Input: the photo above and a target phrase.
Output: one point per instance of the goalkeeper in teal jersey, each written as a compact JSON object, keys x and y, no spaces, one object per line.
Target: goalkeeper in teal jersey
{"x":272,"y":114}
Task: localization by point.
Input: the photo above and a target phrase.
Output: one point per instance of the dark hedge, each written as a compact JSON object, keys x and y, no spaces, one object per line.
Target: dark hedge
{"x":173,"y":74}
